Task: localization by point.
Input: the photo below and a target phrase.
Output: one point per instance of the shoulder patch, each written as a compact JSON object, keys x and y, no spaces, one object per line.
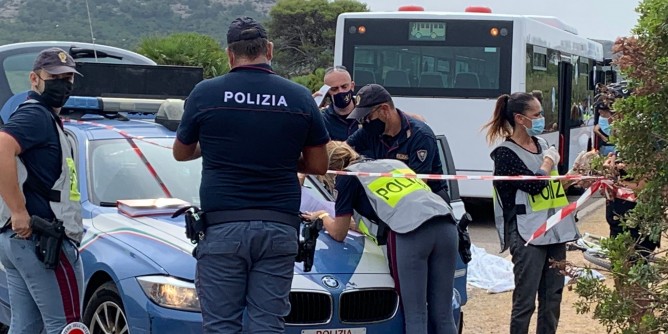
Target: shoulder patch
{"x":422,"y":155}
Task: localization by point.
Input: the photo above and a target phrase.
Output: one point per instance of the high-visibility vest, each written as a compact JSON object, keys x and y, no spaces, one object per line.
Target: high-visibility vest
{"x":65,"y":200}
{"x":402,"y":203}
{"x":534,"y":210}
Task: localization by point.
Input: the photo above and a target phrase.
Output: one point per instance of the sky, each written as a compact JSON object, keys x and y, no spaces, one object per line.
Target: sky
{"x":597,"y":19}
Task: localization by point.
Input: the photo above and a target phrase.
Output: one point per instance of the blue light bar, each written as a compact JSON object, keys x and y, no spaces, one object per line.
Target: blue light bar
{"x":83,"y":102}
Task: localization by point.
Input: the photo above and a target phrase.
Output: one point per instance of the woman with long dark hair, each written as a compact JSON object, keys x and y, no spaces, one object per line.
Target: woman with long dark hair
{"x":521,"y":207}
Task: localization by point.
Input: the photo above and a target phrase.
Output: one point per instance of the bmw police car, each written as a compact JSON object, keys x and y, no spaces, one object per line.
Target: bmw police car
{"x":138,"y":267}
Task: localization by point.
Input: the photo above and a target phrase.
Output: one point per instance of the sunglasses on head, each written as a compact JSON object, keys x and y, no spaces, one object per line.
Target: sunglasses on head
{"x":335,"y":68}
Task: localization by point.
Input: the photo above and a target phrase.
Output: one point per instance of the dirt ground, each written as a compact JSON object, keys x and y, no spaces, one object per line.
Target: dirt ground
{"x":487,"y":313}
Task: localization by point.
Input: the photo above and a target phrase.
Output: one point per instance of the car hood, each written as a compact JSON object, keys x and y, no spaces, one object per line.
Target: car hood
{"x":162,"y":239}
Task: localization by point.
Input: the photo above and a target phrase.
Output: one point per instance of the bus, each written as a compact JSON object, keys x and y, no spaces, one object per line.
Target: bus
{"x":451,"y":67}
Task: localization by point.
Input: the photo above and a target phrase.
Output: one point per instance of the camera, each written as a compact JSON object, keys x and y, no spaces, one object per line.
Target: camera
{"x":307,"y":241}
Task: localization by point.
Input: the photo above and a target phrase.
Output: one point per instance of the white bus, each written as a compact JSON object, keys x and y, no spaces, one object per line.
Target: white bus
{"x":451,"y":67}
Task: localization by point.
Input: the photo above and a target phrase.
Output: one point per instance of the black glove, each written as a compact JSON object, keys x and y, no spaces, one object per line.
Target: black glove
{"x":464,"y":238}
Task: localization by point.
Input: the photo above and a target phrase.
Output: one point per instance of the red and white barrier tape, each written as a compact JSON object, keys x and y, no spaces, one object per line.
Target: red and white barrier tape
{"x":135,"y":148}
{"x":120,"y":132}
{"x":467,"y":177}
{"x":604,"y":185}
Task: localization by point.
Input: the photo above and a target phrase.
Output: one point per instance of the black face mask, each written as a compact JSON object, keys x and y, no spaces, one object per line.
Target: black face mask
{"x":342,"y":100}
{"x":374,"y":128}
{"x":56,"y":92}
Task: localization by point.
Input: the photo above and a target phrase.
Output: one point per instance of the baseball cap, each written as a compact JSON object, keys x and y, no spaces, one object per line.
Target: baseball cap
{"x":55,"y":61}
{"x":245,"y":28}
{"x":368,"y":97}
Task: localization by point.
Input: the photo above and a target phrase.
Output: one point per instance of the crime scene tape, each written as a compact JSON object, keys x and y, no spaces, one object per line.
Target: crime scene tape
{"x":135,"y":148}
{"x":606,"y":185}
{"x":467,"y":177}
{"x":119,"y":131}
{"x":601,"y":183}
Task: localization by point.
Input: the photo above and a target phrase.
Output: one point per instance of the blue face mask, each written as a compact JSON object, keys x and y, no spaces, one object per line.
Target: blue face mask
{"x":537,"y":126}
{"x":604,"y":124}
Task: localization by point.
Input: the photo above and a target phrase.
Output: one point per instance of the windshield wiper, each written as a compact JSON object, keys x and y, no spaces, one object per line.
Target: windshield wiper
{"x":108,"y":204}
{"x":78,"y":53}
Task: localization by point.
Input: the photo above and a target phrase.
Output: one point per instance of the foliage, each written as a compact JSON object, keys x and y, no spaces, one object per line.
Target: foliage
{"x":638,"y":303}
{"x":121,"y":23}
{"x":312,"y":81}
{"x":304,"y":31}
{"x":189,"y":49}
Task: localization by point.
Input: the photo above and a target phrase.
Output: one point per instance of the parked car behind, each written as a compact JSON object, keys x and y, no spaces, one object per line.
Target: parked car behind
{"x":16,"y":62}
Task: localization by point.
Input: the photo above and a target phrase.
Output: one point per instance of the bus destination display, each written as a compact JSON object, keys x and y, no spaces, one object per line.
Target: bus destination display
{"x":426,"y":31}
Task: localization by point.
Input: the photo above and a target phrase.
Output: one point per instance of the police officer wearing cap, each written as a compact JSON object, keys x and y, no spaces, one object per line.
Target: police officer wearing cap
{"x":389,"y":133}
{"x":254,"y":131}
{"x":38,"y":180}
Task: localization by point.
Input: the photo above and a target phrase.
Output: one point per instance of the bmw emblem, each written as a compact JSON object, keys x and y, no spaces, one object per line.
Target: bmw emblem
{"x":330,"y":282}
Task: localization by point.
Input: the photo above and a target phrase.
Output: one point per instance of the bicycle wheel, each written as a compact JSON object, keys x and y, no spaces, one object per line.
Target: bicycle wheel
{"x":597,"y":259}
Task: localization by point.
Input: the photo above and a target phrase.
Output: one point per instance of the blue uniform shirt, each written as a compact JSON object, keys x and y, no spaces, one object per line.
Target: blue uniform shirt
{"x":339,"y":127}
{"x":415,"y":145}
{"x":252,"y":126}
{"x":36,"y":133}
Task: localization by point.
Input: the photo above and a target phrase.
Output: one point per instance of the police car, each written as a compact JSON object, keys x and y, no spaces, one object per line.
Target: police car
{"x":138,"y":269}
{"x":16,"y":62}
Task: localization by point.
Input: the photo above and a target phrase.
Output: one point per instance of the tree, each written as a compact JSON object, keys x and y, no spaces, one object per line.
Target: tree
{"x":312,"y":81}
{"x":638,"y":303}
{"x":304,"y":31}
{"x":189,"y":49}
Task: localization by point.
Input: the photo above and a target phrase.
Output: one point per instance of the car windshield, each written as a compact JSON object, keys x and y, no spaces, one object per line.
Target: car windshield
{"x":116,"y":171}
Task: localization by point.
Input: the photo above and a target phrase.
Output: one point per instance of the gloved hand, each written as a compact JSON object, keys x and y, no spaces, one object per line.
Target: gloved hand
{"x":553,"y":154}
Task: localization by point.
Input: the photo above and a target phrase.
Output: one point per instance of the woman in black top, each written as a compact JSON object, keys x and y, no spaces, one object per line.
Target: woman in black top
{"x":518,"y":120}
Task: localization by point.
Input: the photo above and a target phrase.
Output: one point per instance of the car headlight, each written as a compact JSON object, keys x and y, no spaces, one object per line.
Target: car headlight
{"x":170,"y":292}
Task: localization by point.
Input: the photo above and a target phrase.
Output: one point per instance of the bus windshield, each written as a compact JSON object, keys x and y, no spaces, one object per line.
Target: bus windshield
{"x":437,"y":58}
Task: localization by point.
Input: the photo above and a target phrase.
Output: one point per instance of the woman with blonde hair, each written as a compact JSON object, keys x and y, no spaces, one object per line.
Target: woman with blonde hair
{"x":421,"y":233}
{"x":521,"y":207}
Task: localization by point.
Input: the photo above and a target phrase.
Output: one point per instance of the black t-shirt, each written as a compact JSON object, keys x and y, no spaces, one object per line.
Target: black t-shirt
{"x":252,"y":126}
{"x":339,"y":127}
{"x":35,"y":131}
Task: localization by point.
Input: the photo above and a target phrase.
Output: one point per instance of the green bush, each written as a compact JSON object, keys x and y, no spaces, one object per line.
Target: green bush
{"x":638,"y":302}
{"x":188,"y":49}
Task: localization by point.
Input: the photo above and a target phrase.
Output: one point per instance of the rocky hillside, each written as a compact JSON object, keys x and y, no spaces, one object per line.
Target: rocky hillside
{"x":120,"y":22}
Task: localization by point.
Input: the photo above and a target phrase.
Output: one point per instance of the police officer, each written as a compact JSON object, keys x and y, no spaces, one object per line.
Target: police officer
{"x":521,"y":207}
{"x":254,"y":131}
{"x":340,"y":93}
{"x":389,"y":133}
{"x":38,"y":179}
{"x":423,"y":244}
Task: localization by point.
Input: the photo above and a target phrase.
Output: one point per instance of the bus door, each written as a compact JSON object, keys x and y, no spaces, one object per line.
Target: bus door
{"x":564,"y":90}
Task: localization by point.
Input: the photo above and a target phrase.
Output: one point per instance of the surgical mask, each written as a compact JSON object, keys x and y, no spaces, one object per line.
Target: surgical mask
{"x":537,"y":126}
{"x":375,"y":127}
{"x":56,"y":92}
{"x":343,"y":99}
{"x":604,"y":124}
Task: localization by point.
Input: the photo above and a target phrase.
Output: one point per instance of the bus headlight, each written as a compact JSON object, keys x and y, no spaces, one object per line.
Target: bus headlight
{"x":170,"y":292}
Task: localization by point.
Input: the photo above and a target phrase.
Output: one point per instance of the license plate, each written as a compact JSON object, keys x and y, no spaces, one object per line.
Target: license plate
{"x":335,"y":331}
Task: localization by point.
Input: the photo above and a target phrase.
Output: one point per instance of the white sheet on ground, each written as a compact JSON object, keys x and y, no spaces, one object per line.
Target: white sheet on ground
{"x":490,"y":272}
{"x":495,"y":274}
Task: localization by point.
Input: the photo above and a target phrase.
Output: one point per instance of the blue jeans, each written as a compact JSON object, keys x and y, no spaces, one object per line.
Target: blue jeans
{"x":40,"y":298}
{"x":246,"y":266}
{"x":604,"y":150}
